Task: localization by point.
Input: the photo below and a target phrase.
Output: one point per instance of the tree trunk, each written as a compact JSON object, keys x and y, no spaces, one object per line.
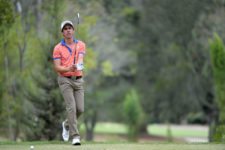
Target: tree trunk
{"x":143,"y":130}
{"x":90,"y":123}
{"x":211,"y":111}
{"x":89,"y":135}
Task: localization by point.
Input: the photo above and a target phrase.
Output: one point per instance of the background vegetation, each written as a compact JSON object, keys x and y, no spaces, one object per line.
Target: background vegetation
{"x":162,"y":59}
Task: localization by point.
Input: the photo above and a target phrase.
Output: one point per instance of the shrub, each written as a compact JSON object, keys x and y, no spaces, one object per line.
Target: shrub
{"x":133,"y":114}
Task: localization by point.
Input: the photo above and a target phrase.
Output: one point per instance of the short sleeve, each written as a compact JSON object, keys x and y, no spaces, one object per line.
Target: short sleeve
{"x":83,"y":49}
{"x":56,"y":54}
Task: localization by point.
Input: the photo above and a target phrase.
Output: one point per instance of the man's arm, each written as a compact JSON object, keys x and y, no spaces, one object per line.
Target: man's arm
{"x":61,"y":69}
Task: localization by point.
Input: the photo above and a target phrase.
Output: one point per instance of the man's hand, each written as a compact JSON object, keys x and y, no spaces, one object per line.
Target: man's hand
{"x":71,"y":68}
{"x":61,"y":69}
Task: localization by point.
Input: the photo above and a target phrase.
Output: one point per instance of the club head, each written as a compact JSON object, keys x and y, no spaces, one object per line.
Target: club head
{"x":78,"y":18}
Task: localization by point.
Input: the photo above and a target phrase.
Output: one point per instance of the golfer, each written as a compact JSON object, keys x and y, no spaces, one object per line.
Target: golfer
{"x":68,"y":62}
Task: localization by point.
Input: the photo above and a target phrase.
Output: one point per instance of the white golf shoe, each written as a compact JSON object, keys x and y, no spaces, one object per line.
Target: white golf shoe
{"x":76,"y":141}
{"x":65,"y":132}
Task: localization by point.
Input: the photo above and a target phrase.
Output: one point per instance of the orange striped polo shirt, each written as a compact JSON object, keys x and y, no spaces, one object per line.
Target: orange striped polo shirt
{"x":66,"y":55}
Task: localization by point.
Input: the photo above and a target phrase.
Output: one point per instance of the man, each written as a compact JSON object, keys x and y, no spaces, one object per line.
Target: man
{"x":68,"y":63}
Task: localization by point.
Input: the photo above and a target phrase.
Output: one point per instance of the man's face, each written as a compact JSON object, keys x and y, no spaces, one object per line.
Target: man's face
{"x":68,"y":31}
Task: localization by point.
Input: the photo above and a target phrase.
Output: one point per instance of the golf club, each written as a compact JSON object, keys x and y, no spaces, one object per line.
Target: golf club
{"x":79,"y":64}
{"x":78,"y":22}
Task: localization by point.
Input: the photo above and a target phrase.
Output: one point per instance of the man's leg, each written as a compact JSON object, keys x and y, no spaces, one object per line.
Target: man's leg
{"x":79,"y":100}
{"x":68,"y":95}
{"x":66,"y":124}
{"x":65,"y":130}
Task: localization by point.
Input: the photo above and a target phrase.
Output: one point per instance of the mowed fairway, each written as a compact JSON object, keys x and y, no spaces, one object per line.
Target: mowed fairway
{"x":114,"y":146}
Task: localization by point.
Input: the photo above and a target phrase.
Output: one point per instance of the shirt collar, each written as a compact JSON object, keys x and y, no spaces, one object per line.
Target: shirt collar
{"x":64,"y":43}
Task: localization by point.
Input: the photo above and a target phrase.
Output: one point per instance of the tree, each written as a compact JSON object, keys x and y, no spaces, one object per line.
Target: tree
{"x":163,"y":53}
{"x":218,"y":64}
{"x":6,"y":87}
{"x":45,"y":95}
{"x":111,"y":68}
{"x":208,"y":23}
{"x":133,"y":114}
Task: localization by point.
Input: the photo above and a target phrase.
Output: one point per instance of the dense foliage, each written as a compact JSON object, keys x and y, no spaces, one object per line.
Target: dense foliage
{"x":160,"y":48}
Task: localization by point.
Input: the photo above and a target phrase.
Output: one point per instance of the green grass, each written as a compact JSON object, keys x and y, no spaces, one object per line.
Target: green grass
{"x":177,"y":132}
{"x":153,"y":129}
{"x":110,"y":146}
{"x":111,"y":128}
{"x":116,"y":128}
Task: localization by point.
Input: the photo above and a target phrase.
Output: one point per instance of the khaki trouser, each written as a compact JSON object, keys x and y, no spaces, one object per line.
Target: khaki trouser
{"x":73,"y":94}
